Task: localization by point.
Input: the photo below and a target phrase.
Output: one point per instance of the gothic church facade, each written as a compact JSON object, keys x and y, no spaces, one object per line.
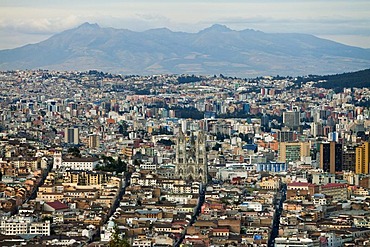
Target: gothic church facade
{"x":191,"y":157}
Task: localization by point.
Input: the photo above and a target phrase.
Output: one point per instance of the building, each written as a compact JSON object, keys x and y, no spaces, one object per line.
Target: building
{"x":295,"y":242}
{"x":336,"y":191}
{"x":94,"y":141}
{"x":286,"y":136}
{"x":362,"y":158}
{"x":298,"y":190}
{"x":71,"y":135}
{"x":57,"y":160}
{"x":349,"y":159}
{"x":323,"y":178}
{"x":272,"y":183}
{"x":293,"y":151}
{"x":255,"y":206}
{"x":191,"y":157}
{"x":319,"y":199}
{"x":85,"y":177}
{"x":24,"y":225}
{"x":331,"y":156}
{"x":291,"y":119}
{"x":86,"y":164}
{"x":272,"y":167}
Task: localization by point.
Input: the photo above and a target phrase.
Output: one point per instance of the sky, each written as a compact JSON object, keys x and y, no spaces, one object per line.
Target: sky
{"x":30,"y":21}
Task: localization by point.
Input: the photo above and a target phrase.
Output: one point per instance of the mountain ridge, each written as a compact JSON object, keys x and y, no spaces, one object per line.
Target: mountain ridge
{"x":213,"y":50}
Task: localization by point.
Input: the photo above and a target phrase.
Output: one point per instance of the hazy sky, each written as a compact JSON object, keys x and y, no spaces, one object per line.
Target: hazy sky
{"x":30,"y":21}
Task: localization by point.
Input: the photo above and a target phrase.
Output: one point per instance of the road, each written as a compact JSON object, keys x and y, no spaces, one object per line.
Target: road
{"x":281,"y":196}
{"x":194,"y":217}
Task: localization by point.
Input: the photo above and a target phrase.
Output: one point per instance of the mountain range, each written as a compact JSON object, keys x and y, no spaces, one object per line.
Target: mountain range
{"x":214,"y":50}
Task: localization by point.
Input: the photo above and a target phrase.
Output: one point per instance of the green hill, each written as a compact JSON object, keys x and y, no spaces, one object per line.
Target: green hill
{"x":358,"y":79}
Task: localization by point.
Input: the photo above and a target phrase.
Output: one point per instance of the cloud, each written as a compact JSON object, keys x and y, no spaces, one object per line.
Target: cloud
{"x":316,"y":26}
{"x":40,"y":25}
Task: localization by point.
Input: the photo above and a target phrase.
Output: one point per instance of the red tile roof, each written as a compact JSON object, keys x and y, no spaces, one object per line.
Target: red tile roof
{"x":301,"y":184}
{"x":333,"y":185}
{"x":57,"y":205}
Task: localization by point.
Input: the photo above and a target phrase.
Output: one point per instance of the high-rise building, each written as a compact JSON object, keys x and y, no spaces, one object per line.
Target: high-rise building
{"x":362,"y":158}
{"x":349,"y":159}
{"x":191,"y":157}
{"x":317,"y":129}
{"x":71,"y":135}
{"x":291,"y":119}
{"x":94,"y":141}
{"x":265,"y":120}
{"x":293,"y":151}
{"x":286,"y":136}
{"x":331,"y":156}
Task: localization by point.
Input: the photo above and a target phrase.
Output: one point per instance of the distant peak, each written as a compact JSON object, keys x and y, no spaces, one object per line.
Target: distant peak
{"x":161,"y":30}
{"x":218,"y":28}
{"x":88,"y":25}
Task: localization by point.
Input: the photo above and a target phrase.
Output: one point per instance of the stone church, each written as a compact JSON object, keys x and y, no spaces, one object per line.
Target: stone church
{"x":191,"y":157}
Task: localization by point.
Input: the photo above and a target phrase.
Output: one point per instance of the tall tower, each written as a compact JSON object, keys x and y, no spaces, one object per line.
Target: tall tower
{"x":362,"y":158}
{"x":291,"y":119}
{"x":331,"y":156}
{"x":191,"y":157}
{"x":57,"y":160}
{"x":94,"y":141}
{"x":71,"y":135}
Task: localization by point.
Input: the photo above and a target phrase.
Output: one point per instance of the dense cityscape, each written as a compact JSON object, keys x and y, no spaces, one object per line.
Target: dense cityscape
{"x":96,"y":159}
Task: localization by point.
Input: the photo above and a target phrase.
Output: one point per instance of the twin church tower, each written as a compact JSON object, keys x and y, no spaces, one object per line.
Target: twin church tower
{"x":191,"y":157}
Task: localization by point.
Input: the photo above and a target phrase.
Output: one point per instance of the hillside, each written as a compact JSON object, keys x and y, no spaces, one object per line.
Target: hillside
{"x":338,"y":82}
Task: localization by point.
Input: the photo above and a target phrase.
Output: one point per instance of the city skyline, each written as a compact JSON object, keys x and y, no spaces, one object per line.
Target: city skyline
{"x":25,"y":22}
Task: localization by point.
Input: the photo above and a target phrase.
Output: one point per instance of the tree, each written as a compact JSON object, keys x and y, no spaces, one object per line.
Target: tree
{"x":111,"y":165}
{"x":122,"y":128}
{"x":217,"y":146}
{"x":75,"y":151}
{"x":116,"y":240}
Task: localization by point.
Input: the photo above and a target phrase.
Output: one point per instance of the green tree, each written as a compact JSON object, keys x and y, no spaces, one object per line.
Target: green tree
{"x":112,"y":165}
{"x":75,"y":151}
{"x":116,"y":240}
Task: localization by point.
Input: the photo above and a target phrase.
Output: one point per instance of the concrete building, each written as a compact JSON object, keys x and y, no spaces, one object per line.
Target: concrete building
{"x":295,"y":242}
{"x":94,"y":141}
{"x":349,"y":159}
{"x":293,"y":151}
{"x":71,"y":135}
{"x":86,"y":164}
{"x":291,"y":119}
{"x":336,"y":191}
{"x":362,"y":158}
{"x":26,"y":225}
{"x":322,"y":178}
{"x":331,"y":155}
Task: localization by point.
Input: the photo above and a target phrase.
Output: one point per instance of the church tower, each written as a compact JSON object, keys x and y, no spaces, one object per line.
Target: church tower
{"x":57,"y":160}
{"x":191,"y":157}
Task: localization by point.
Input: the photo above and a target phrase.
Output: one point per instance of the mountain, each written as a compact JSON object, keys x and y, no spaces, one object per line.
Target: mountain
{"x":214,"y":50}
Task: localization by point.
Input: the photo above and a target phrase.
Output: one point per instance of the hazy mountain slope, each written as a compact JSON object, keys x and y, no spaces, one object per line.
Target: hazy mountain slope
{"x":214,"y":50}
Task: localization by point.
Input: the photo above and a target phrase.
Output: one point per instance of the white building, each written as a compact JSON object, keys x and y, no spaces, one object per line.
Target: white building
{"x":323,"y":178}
{"x":106,"y":231}
{"x":294,"y":242}
{"x":24,"y":225}
{"x":142,"y":243}
{"x":255,"y":206}
{"x":319,"y":199}
{"x":86,"y":164}
{"x":148,"y":166}
{"x":332,"y":239}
